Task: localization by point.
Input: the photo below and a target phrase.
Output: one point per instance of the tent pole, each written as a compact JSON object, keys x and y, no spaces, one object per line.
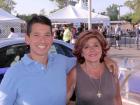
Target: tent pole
{"x":89,"y":17}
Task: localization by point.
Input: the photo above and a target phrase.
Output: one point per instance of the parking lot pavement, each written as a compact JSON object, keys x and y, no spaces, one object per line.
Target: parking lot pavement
{"x":133,"y":59}
{"x":132,"y":52}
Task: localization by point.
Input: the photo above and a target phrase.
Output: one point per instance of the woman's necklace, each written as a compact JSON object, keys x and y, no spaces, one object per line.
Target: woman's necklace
{"x":99,"y":93}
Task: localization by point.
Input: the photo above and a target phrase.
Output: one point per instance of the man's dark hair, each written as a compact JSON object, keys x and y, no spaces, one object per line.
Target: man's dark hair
{"x":38,"y":19}
{"x":12,"y":29}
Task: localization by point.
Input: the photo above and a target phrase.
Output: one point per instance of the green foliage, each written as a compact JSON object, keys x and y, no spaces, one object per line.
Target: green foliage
{"x":8,"y":6}
{"x":112,"y":12}
{"x":42,"y":12}
{"x":130,"y":4}
{"x":60,"y":3}
{"x":135,"y":6}
{"x":54,"y":10}
{"x":136,"y":18}
{"x":25,"y":17}
{"x":127,"y":17}
{"x":63,"y":3}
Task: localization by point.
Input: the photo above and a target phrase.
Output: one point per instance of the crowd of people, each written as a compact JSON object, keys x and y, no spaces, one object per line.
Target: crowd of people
{"x":113,"y":34}
{"x":70,"y":32}
{"x":67,"y":32}
{"x":40,"y":79}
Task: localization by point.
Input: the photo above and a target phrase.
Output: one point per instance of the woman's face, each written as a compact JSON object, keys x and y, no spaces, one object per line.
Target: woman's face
{"x":92,"y":50}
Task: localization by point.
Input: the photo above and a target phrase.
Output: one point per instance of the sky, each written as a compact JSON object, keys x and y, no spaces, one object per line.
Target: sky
{"x":34,"y":6}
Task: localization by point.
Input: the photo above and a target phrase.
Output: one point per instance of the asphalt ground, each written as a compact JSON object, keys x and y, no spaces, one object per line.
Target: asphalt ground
{"x":130,"y":52}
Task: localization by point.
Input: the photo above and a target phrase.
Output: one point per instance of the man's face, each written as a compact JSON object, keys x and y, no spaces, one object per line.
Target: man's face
{"x":40,"y":39}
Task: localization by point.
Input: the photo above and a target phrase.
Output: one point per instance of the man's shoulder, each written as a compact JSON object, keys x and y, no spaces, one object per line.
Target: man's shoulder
{"x":61,"y":57}
{"x":57,"y":56}
{"x":15,"y":70}
{"x":17,"y":66}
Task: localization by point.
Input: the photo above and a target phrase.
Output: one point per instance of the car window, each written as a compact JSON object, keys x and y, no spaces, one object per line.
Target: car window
{"x":67,"y":51}
{"x":53,"y":49}
{"x":12,"y":53}
{"x":57,"y":49}
{"x":61,"y":49}
{"x":1,"y":76}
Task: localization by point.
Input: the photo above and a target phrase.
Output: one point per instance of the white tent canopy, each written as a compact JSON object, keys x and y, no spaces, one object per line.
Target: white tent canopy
{"x":71,"y":14}
{"x":7,"y":21}
{"x":7,"y":17}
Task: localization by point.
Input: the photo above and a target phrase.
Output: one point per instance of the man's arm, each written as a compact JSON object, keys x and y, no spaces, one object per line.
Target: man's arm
{"x":112,"y":65}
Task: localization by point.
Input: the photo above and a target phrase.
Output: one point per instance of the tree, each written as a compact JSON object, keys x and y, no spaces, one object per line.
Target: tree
{"x":7,"y":5}
{"x":61,"y":3}
{"x":42,"y":12}
{"x":2,"y":4}
{"x":135,"y":6}
{"x":130,"y":4}
{"x":25,"y":17}
{"x":127,"y":17}
{"x":112,"y":11}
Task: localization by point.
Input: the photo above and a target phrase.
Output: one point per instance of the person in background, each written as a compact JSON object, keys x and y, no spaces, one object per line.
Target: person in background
{"x":91,"y":79}
{"x":67,"y":35}
{"x":74,"y":35}
{"x":38,"y":78}
{"x":118,"y":32}
{"x":12,"y":33}
{"x":137,"y":33}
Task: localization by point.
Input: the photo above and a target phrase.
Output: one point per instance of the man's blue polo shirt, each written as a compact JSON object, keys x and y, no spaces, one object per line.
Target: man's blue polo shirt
{"x":31,"y":83}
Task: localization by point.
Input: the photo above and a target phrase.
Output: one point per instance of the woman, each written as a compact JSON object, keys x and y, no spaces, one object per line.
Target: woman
{"x":93,"y":83}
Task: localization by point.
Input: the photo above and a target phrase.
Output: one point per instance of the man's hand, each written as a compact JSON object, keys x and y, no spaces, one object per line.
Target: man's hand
{"x":112,"y":66}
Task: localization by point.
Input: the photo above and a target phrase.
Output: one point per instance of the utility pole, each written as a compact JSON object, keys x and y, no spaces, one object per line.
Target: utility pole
{"x":119,"y":6}
{"x":89,"y":15}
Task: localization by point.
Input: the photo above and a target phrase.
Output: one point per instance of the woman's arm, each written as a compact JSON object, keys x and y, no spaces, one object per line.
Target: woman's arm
{"x":71,"y":82}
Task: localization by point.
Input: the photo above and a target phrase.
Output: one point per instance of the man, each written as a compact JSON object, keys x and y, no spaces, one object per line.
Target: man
{"x":118,"y":32}
{"x":67,"y":35}
{"x":39,"y":78}
{"x":12,"y":33}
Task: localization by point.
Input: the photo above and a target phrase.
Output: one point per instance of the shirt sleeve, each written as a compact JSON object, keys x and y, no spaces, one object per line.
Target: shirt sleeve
{"x":70,"y":62}
{"x":8,"y":89}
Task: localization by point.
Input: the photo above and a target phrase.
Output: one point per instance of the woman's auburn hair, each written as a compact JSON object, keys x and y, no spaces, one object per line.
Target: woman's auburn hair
{"x":83,"y":38}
